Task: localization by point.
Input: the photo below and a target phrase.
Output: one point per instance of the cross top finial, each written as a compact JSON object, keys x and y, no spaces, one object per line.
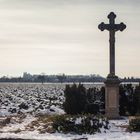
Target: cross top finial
{"x":111,"y":15}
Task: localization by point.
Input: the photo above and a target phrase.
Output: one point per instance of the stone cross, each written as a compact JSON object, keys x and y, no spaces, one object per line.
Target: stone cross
{"x":112,"y":28}
{"x":112,"y":82}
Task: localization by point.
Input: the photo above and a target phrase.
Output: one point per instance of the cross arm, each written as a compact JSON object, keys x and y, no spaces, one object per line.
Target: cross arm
{"x":102,"y":26}
{"x":120,"y":26}
{"x":112,"y":27}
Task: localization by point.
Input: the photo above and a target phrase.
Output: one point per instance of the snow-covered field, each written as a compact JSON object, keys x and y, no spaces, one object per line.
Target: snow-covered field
{"x":21,"y":104}
{"x":31,"y":98}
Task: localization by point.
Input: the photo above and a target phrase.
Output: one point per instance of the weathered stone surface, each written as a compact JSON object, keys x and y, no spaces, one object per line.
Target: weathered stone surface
{"x":112,"y":98}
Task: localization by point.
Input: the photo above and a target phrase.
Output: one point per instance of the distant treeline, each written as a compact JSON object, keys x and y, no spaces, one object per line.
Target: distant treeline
{"x":54,"y":78}
{"x":61,"y":78}
{"x":132,"y":79}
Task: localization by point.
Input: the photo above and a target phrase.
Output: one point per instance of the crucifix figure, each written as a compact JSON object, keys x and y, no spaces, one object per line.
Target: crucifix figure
{"x":112,"y":28}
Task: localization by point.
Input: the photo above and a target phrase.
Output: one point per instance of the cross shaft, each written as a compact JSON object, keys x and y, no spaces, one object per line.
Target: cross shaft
{"x":112,"y":28}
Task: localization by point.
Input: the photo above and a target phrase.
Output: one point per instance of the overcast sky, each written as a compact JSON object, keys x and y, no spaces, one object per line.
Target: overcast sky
{"x":62,"y":36}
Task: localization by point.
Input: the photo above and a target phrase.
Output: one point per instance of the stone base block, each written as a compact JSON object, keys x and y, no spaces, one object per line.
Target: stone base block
{"x":112,"y":97}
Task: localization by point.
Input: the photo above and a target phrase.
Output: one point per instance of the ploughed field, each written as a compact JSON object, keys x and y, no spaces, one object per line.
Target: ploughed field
{"x":32,"y":98}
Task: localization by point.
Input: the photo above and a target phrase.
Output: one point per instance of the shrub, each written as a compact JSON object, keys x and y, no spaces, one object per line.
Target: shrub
{"x":122,"y":101}
{"x":92,"y":108}
{"x":137,"y":98}
{"x":128,"y":100}
{"x":80,"y":100}
{"x":79,"y":124}
{"x":134,"y":125}
{"x":75,"y":99}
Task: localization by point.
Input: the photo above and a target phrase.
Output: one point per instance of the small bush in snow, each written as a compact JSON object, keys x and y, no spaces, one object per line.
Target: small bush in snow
{"x":79,"y":124}
{"x":134,"y":125}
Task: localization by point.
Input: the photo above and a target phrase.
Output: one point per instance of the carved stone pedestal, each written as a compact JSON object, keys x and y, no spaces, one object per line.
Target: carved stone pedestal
{"x":112,"y":97}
